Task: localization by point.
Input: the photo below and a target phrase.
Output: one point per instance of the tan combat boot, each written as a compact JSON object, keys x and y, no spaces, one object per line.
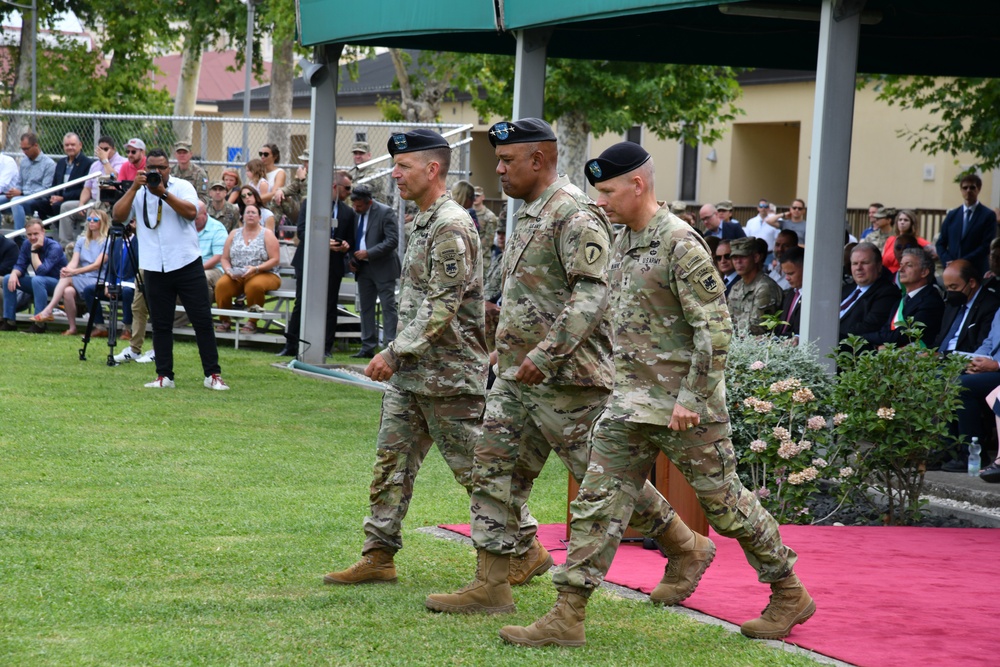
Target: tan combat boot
{"x":489,"y":593}
{"x":533,"y":563}
{"x":790,"y":605}
{"x":375,"y":567}
{"x":689,"y":555}
{"x":563,"y":625}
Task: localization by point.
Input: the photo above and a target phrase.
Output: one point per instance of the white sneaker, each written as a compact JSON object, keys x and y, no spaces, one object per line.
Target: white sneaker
{"x":147,"y":357}
{"x":126,"y":356}
{"x":214,"y":381}
{"x":162,"y":382}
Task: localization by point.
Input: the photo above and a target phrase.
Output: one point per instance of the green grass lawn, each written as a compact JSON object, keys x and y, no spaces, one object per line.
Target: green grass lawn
{"x":186,"y":526}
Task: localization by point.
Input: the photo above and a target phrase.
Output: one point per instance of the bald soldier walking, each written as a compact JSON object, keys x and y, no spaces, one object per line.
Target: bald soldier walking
{"x":554,"y":375}
{"x":672,"y":333}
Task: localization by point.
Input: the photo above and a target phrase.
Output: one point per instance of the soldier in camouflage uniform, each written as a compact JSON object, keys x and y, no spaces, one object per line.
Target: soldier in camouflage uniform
{"x":883,"y":227}
{"x":436,"y":366}
{"x":554,"y":370}
{"x":188,"y":171}
{"x":220,"y":209}
{"x":379,"y":186}
{"x":672,"y":333}
{"x":289,"y":198}
{"x":488,"y":222}
{"x":755,"y":294}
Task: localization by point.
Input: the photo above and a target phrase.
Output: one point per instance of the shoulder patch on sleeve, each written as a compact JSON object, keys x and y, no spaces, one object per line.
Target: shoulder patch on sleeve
{"x":592,"y":256}
{"x":449,"y":262}
{"x":706,"y":283}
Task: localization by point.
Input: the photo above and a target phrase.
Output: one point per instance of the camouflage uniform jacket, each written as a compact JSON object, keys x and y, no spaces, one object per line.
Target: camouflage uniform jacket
{"x":229,"y":216}
{"x":493,"y":284}
{"x":555,"y":290}
{"x":878,"y":238}
{"x":487,"y":231}
{"x":194,"y":175}
{"x":379,"y":186}
{"x":440,"y":348}
{"x":748,"y":303}
{"x":672,"y":327}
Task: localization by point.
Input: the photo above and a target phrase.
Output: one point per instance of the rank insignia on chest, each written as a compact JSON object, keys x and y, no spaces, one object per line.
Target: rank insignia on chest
{"x":451,"y":268}
{"x":593,"y":252}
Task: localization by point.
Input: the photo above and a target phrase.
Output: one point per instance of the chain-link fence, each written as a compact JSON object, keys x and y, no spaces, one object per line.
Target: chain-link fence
{"x":218,"y":142}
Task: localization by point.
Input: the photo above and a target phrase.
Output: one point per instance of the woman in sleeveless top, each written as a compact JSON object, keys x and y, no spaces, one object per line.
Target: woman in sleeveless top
{"x":250,"y":262}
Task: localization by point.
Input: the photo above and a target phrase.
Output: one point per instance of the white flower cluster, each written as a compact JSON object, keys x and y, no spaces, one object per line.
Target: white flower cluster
{"x":819,"y":462}
{"x":781,"y":386}
{"x":763,"y":407}
{"x":803,"y":395}
{"x":839,"y":418}
{"x":758,"y":366}
{"x":807,"y":475}
{"x":816,"y":423}
{"x":789,"y":449}
{"x":886,"y":413}
{"x":758,"y":446}
{"x":781,"y":433}
{"x":846,"y":471}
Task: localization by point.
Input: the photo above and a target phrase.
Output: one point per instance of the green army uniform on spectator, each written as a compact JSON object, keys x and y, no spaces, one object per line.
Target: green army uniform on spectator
{"x":379,"y":186}
{"x":488,"y":222}
{"x":194,"y":175}
{"x":493,"y":284}
{"x":672,"y":334}
{"x":228,"y":215}
{"x":749,"y":302}
{"x":879,"y":237}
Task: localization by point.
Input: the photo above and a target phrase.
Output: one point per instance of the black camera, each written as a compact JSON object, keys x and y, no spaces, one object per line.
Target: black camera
{"x":153,"y":178}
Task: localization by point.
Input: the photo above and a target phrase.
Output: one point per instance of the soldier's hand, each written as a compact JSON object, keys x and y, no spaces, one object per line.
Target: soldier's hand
{"x":683,"y":419}
{"x":528,"y":373}
{"x":378,"y":370}
{"x":278,"y":196}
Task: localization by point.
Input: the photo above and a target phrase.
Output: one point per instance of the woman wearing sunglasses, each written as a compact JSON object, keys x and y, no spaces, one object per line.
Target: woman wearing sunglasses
{"x":250,"y":260}
{"x":81,"y":274}
{"x":276,"y":177}
{"x":249,"y":195}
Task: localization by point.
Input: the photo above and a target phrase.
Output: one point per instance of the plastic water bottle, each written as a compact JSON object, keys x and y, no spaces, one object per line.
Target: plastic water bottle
{"x":974,"y":451}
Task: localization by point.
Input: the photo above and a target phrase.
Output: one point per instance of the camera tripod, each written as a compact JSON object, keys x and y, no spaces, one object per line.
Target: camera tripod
{"x":117,"y":251}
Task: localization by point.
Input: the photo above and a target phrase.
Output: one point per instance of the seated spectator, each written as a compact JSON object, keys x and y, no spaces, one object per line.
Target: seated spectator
{"x":80,"y":274}
{"x":135,"y":160}
{"x":867,"y":306}
{"x":257,"y":177}
{"x":757,"y":227}
{"x":108,"y":163}
{"x":47,"y":259}
{"x":883,"y":227}
{"x":785,"y":241}
{"x":907,"y":223}
{"x":725,"y":209}
{"x":848,"y":279}
{"x":288,"y":199}
{"x":275,"y":176}
{"x":921,"y":301}
{"x":724,"y":263}
{"x":35,"y":172}
{"x":8,"y":255}
{"x":792,"y":263}
{"x":189,"y":171}
{"x":220,"y":209}
{"x":249,"y":195}
{"x":74,"y":165}
{"x":231,"y":178}
{"x":969,"y":309}
{"x":754,"y":295}
{"x":714,"y":226}
{"x":250,"y":261}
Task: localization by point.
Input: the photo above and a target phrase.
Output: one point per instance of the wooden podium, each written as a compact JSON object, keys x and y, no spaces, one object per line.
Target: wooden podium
{"x":669,"y":481}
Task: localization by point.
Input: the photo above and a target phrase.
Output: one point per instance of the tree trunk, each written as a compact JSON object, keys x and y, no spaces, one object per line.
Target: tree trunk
{"x":21,"y":96}
{"x":573,"y":132}
{"x":187,"y":89}
{"x":280,"y":102}
{"x":424,"y":107}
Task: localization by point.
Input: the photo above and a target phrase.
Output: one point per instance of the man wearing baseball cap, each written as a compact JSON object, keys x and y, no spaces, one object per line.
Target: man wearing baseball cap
{"x":554,"y":371}
{"x":135,"y":160}
{"x":672,"y":334}
{"x":435,"y":368}
{"x":361,"y":153}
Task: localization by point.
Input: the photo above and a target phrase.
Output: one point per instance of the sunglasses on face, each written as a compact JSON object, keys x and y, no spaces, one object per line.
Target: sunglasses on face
{"x":798,"y":208}
{"x":264,"y":154}
{"x":728,"y":255}
{"x":105,"y":148}
{"x":93,"y":219}
{"x":133,"y":150}
{"x":247,"y":194}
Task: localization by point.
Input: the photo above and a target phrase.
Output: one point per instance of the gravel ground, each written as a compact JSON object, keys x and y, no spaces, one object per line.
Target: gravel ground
{"x":823,"y":504}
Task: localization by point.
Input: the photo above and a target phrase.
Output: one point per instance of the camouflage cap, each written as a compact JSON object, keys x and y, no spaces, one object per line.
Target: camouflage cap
{"x":217,"y":184}
{"x":360,"y":147}
{"x":744,"y":247}
{"x":678,"y":206}
{"x":182,"y":146}
{"x":885,"y":212}
{"x":724,"y":205}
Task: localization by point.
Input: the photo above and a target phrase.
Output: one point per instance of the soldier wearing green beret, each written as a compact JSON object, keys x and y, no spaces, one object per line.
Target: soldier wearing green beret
{"x":672,"y":333}
{"x":755,"y":294}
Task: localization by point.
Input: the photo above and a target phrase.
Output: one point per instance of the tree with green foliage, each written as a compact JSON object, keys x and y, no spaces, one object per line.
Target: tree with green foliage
{"x":965,"y":111}
{"x":688,"y":103}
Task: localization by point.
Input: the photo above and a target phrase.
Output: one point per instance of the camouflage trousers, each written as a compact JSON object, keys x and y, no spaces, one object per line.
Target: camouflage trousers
{"x":410,"y":424}
{"x":522,"y":424}
{"x":621,"y":456}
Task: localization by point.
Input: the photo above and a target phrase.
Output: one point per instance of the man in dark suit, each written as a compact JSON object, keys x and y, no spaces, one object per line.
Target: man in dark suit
{"x":866,"y":306}
{"x":969,"y":310}
{"x":341,"y":242}
{"x":714,"y":225}
{"x":724,"y":263}
{"x":792,"y":261}
{"x":966,"y":231}
{"x":922,"y":302}
{"x":376,"y":267}
{"x":74,"y":165}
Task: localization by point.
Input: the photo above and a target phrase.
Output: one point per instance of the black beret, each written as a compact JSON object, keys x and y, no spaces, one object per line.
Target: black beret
{"x":524,"y":131}
{"x":619,"y":159}
{"x":415,"y":140}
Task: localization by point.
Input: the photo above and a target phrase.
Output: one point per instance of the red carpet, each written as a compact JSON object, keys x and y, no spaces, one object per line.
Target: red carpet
{"x":884,"y":596}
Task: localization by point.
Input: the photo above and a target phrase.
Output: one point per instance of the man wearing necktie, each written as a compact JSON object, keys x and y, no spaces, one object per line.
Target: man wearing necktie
{"x":966,"y":231}
{"x":922,"y":302}
{"x":376,"y":267}
{"x":792,"y":261}
{"x":866,"y":307}
{"x":981,"y":377}
{"x":969,"y":310}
